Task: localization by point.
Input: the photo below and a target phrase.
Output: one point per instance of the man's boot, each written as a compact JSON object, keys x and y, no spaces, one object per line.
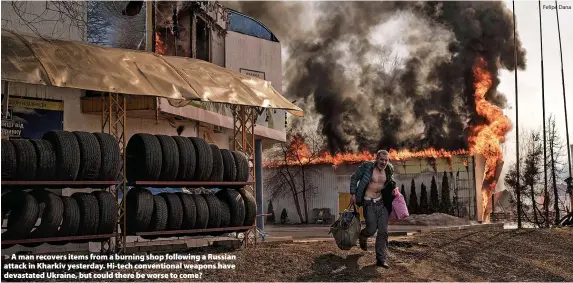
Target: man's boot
{"x":363,"y":242}
{"x":382,"y":263}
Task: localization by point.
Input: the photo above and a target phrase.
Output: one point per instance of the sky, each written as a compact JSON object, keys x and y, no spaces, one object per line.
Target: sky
{"x":529,"y":80}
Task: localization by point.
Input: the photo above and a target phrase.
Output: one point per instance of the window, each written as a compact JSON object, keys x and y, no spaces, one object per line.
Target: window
{"x":202,"y":38}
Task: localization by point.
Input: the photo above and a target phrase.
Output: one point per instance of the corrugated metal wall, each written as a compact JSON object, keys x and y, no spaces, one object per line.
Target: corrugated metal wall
{"x":332,"y":181}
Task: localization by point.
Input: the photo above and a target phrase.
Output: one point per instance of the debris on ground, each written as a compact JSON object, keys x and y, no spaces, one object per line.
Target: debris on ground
{"x":465,"y":255}
{"x":434,"y":219}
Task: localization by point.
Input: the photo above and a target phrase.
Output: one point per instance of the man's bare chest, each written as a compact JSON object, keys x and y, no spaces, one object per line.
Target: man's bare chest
{"x":378,"y":176}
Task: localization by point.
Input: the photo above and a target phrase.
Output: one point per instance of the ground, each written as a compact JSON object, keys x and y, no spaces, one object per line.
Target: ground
{"x":507,"y":255}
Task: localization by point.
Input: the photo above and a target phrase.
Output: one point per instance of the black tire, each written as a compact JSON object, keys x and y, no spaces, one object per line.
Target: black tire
{"x":144,"y":158}
{"x":242,"y":165}
{"x":170,"y":159}
{"x":26,"y":160}
{"x":229,"y":167}
{"x":70,"y":220}
{"x":225,"y":217}
{"x":159,"y":218}
{"x":46,"y":155}
{"x":9,"y":165}
{"x":236,"y":206}
{"x":67,"y":154}
{"x":189,"y":211}
{"x":175,"y":211}
{"x":218,"y":169}
{"x":187,"y":158}
{"x":204,"y":159}
{"x":140,"y":207}
{"x":202,"y":219}
{"x":24,"y":210}
{"x":250,"y":207}
{"x":110,"y":157}
{"x":52,"y":212}
{"x":214,"y":210}
{"x":89,"y":215}
{"x":108,"y":209}
{"x":90,"y":156}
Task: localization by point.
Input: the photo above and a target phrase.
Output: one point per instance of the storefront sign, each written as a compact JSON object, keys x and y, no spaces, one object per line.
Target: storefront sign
{"x":253,"y":73}
{"x":31,"y":118}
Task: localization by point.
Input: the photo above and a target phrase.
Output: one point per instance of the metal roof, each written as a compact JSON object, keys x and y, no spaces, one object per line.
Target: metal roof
{"x":73,"y":64}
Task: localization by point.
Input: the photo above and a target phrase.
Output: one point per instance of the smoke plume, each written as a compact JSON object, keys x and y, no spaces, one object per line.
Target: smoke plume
{"x":389,"y":74}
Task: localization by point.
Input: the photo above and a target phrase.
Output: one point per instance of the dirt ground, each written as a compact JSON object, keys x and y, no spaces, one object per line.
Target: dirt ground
{"x":509,"y":255}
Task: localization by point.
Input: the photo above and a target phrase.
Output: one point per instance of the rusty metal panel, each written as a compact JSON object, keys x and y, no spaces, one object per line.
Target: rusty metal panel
{"x":71,"y":64}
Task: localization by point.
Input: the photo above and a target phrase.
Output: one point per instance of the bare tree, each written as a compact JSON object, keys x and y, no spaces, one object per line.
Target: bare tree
{"x":47,"y":18}
{"x":292,"y":171}
{"x":556,"y":164}
{"x":531,"y":179}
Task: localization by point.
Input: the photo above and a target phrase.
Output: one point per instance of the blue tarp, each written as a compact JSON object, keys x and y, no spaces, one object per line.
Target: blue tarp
{"x":243,"y":24}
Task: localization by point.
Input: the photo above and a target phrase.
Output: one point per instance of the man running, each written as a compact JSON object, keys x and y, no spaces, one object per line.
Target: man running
{"x":372,"y":186}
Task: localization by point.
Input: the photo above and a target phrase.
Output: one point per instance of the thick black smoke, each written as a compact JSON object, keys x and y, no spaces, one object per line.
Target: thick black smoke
{"x":363,"y":95}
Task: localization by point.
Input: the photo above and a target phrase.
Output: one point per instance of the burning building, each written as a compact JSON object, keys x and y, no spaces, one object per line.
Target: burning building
{"x":327,"y":179}
{"x":441,"y":95}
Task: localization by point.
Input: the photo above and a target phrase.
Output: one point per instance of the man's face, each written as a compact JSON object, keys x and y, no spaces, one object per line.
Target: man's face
{"x":382,"y":161}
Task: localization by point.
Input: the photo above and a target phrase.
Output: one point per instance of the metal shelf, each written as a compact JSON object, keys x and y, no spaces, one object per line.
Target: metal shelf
{"x":195,"y":231}
{"x":56,"y":239}
{"x":61,"y":184}
{"x":158,"y":184}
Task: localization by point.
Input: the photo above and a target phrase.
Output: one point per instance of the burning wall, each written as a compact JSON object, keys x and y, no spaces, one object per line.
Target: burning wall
{"x":332,"y":181}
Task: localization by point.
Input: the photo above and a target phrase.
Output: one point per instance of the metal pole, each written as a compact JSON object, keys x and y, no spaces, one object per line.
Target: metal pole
{"x":564,"y":100}
{"x":149,"y":26}
{"x":259,"y":182}
{"x":516,"y":121}
{"x":544,"y":131}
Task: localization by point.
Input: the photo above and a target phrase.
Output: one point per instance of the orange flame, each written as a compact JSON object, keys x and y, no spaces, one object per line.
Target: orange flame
{"x":160,"y":46}
{"x":487,"y":139}
{"x":299,"y":153}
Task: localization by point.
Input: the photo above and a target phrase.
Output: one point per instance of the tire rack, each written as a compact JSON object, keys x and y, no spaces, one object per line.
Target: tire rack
{"x":11,"y":185}
{"x":113,"y":122}
{"x":114,"y":113}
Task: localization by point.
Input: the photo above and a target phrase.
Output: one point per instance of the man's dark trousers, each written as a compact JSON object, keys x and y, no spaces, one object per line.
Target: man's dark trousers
{"x":376,"y":217}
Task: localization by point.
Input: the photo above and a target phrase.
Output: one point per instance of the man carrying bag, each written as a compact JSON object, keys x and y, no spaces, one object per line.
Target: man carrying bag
{"x":346,"y":230}
{"x":372,"y":186}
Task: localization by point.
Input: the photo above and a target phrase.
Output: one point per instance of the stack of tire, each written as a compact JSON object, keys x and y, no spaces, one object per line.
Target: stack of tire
{"x":185,"y":211}
{"x":62,"y":156}
{"x":80,"y":214}
{"x":176,"y":158}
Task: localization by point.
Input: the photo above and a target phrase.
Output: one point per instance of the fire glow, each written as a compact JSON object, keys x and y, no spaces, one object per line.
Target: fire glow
{"x":160,"y":47}
{"x":487,"y":139}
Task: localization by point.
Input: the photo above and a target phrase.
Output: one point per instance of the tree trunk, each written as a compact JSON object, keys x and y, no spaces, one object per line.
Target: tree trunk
{"x":304,"y":195}
{"x":294,"y":191}
{"x":534,"y":206}
{"x":554,"y":184}
{"x":297,"y":205}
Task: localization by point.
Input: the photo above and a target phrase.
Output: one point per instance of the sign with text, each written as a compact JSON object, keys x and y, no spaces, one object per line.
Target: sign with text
{"x":253,"y":73}
{"x":31,"y":117}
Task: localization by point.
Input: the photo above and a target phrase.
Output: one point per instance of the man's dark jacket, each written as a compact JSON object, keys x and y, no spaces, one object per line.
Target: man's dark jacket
{"x":361,"y":178}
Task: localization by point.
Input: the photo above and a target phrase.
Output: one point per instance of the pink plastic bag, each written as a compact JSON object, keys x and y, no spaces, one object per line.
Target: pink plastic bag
{"x":399,"y":207}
